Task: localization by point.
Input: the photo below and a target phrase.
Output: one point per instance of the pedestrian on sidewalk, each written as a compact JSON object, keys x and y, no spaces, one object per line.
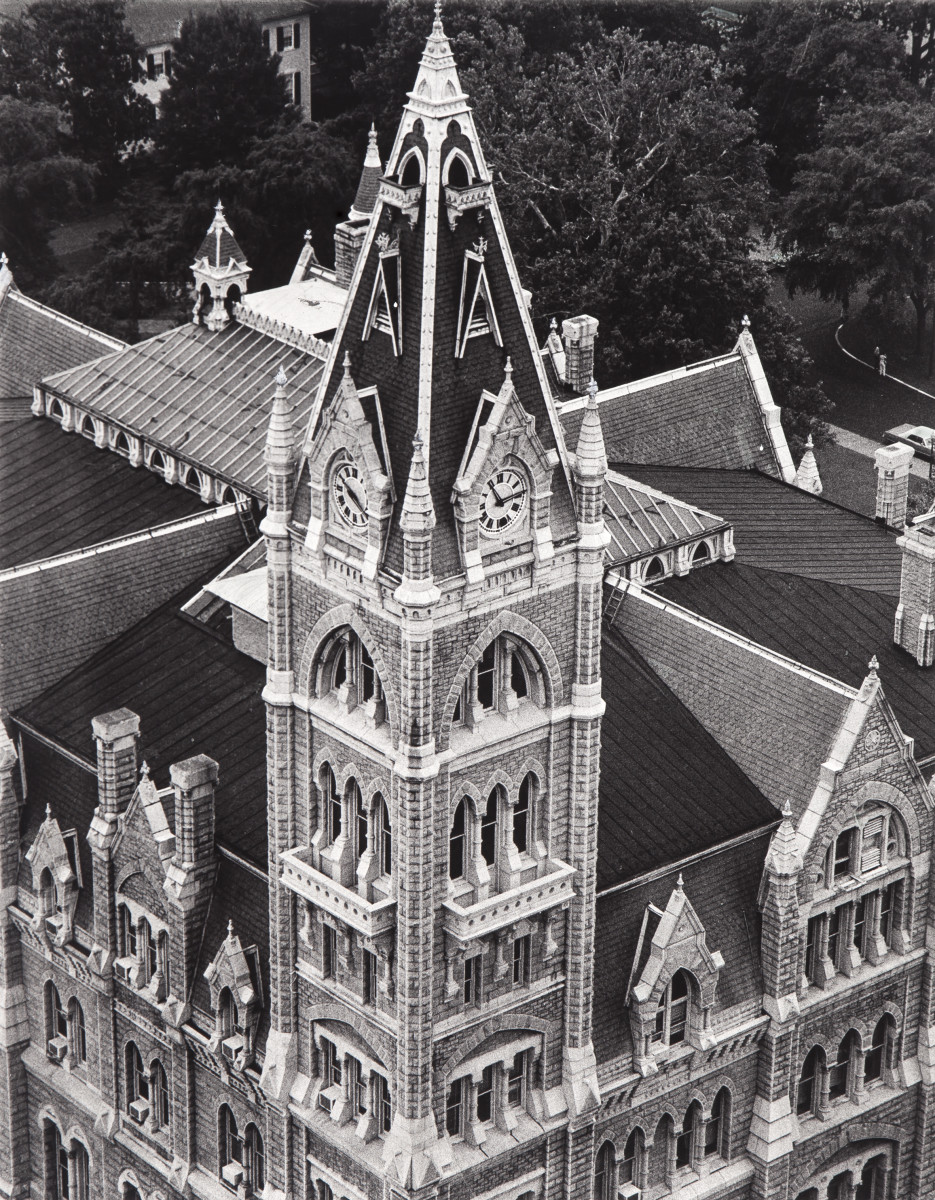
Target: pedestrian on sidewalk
{"x":881,"y":366}
{"x":876,"y":356}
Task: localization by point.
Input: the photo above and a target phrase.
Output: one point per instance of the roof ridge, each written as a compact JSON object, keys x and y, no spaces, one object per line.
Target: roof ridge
{"x":628,"y":586}
{"x":19,"y":297}
{"x":640,"y":385}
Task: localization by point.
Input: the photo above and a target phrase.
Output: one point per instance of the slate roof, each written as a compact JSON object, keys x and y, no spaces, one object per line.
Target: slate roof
{"x":60,"y":493}
{"x":667,"y":788}
{"x":641,"y":520}
{"x":723,"y":889}
{"x":195,"y":694}
{"x":776,"y":719}
{"x":219,"y":247}
{"x":704,"y":415}
{"x":830,"y":627}
{"x":777,"y":525}
{"x":203,"y":396}
{"x":36,"y":341}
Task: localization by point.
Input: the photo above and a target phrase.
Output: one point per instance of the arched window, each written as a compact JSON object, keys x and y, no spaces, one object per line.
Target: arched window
{"x":840,"y":1187}
{"x":160,"y":1095}
{"x":411,"y":171}
{"x":56,"y":411}
{"x":878,"y":1058}
{"x":346,"y":670}
{"x":204,"y":303}
{"x":839,"y":1073}
{"x":78,"y":1041}
{"x":716,"y":1130}
{"x":630,"y":1170}
{"x":81,"y":1169}
{"x":457,"y":172}
{"x":122,"y":443}
{"x":522,"y":813}
{"x":46,"y":893}
{"x":137,"y":1079}
{"x":56,"y":1022}
{"x":489,"y":828}
{"x":507,"y":673}
{"x":383,"y":834}
{"x":685,"y":1138}
{"x":55,"y":1162}
{"x":148,"y":940}
{"x":230,"y":1148}
{"x":324,"y":1190}
{"x":872,"y":1184}
{"x":456,"y":842}
{"x":162,"y":954}
{"x":808,"y":1091}
{"x":127,"y":932}
{"x":360,"y":817}
{"x":233,"y":297}
{"x":671,"y":1025}
{"x":604,"y":1181}
{"x":701,"y":553}
{"x":810,"y":1194}
{"x":254,"y":1160}
{"x":86,"y":427}
{"x":228,"y":1017}
{"x":655,"y":569}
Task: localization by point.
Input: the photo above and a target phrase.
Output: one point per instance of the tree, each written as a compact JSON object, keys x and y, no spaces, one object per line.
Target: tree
{"x":862,"y":209}
{"x":36,"y":181}
{"x":81,"y":58}
{"x":799,"y":60}
{"x":225,"y":91}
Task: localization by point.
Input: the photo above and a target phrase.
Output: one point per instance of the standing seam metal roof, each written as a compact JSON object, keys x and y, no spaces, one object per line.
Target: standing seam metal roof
{"x":641,"y":520}
{"x":204,"y":397}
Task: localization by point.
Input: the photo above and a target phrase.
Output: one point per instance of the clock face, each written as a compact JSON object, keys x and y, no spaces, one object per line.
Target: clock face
{"x":350,"y":495}
{"x":503,"y":500}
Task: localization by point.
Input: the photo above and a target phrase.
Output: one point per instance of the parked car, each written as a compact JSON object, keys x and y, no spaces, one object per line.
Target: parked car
{"x":920,"y":437}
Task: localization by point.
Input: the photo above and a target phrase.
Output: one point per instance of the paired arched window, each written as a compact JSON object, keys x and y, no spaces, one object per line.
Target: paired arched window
{"x":137,"y":1082}
{"x":383,"y":833}
{"x":672,"y":1012}
{"x":687,"y":1137}
{"x":632,"y":1163}
{"x":411,"y":171}
{"x":506,"y":674}
{"x":841,"y":1071}
{"x":63,"y":1172}
{"x":346,"y":671}
{"x":56,"y":1020}
{"x":366,"y":828}
{"x":147,"y":1090}
{"x":159,"y":1090}
{"x":879,"y":1056}
{"x":65,"y":1029}
{"x":241,"y":1156}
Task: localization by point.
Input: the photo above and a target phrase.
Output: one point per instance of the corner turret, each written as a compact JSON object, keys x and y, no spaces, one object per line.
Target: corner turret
{"x":221,"y":274}
{"x":349,"y":235}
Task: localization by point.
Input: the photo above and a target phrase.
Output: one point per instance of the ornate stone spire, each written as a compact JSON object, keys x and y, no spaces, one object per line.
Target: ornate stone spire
{"x":807,"y":477}
{"x":590,"y":455}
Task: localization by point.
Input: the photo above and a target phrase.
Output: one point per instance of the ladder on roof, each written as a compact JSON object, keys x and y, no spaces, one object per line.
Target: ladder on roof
{"x":248,"y":522}
{"x":614,"y":602}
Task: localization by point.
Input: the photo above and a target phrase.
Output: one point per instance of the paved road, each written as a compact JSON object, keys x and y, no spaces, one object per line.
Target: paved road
{"x":866,"y":446}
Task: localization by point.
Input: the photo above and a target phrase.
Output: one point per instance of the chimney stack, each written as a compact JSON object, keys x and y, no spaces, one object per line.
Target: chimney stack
{"x":117,"y":735}
{"x":579,"y":334}
{"x":914,"y":627}
{"x":193,"y":781}
{"x":892,"y":464}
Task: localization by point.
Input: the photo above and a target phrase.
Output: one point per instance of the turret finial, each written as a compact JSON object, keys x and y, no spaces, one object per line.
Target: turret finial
{"x":281,"y":377}
{"x":873,"y":665}
{"x":144,"y":770}
{"x":680,"y":883}
{"x":508,"y":368}
{"x":592,"y":393}
{"x":347,"y":364}
{"x":230,"y":930}
{"x":48,"y":812}
{"x":745,"y":323}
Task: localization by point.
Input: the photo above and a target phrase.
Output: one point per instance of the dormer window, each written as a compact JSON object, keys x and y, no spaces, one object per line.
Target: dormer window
{"x":385,"y":313}
{"x":476,"y":314}
{"x":672,"y":1011}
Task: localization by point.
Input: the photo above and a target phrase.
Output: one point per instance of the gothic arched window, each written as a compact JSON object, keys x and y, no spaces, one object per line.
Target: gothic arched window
{"x":671,"y":1024}
{"x":878,"y":1058}
{"x":490,"y":827}
{"x":808,"y":1092}
{"x":254,"y":1162}
{"x":716,"y":1130}
{"x":77,"y":1035}
{"x":456,"y":841}
{"x":383,"y":833}
{"x":160,"y":1095}
{"x":604,"y":1173}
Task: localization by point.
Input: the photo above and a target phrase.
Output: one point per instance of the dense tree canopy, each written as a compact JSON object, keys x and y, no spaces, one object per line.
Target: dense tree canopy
{"x":82,"y":59}
{"x":36,"y":181}
{"x":225,"y":91}
{"x":863,"y":206}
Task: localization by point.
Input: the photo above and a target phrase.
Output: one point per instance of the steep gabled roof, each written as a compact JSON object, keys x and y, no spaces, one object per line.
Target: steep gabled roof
{"x":36,"y":341}
{"x":203,"y":396}
{"x":641,"y":520}
{"x":705,"y":415}
{"x":779,"y":526}
{"x":668,"y":790}
{"x":438,"y":246}
{"x":776,"y":718}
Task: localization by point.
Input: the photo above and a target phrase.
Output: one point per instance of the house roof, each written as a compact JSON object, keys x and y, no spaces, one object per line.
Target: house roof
{"x":203,"y":396}
{"x":36,"y":341}
{"x":195,"y":694}
{"x":776,"y":718}
{"x":667,"y":790}
{"x":777,"y":525}
{"x":706,"y":415}
{"x":831,"y":627}
{"x":155,"y":22}
{"x":641,"y":520}
{"x":61,"y":493}
{"x":723,"y":888}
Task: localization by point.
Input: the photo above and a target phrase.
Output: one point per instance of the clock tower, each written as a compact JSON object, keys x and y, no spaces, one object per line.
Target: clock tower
{"x":434,"y":703}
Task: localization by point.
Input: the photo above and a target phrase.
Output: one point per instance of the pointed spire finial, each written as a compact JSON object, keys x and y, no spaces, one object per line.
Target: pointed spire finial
{"x":48,"y":812}
{"x":347,"y":364}
{"x":873,"y":665}
{"x":281,"y":377}
{"x":4,"y":261}
{"x":230,"y":930}
{"x":745,"y":323}
{"x":787,"y":810}
{"x":508,"y":368}
{"x":144,"y":770}
{"x":592,"y":393}
{"x":307,"y":235}
{"x":553,"y":324}
{"x":680,"y":884}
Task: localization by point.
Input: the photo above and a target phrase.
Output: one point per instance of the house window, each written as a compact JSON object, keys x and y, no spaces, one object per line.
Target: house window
{"x":137,"y":1078}
{"x":521,"y":814}
{"x":506,"y":674}
{"x":521,"y":961}
{"x":842,"y":853}
{"x":383,"y":1106}
{"x":332,"y":1067}
{"x":284,"y":37}
{"x":604,"y":1173}
{"x":631,"y":1163}
{"x":454,"y":1105}
{"x":472,"y":979}
{"x":81,"y":1168}
{"x":295,"y":88}
{"x":383,"y":833}
{"x":485,"y":1095}
{"x":77,"y":1035}
{"x":516,"y":1081}
{"x":346,"y":668}
{"x":489,"y":828}
{"x":685,"y":1138}
{"x":715,"y":1134}
{"x":228,"y":1016}
{"x":56,"y":1018}
{"x":158,"y":64}
{"x":456,"y":842}
{"x":809,"y":1086}
{"x":230,"y":1149}
{"x":356,"y":1085}
{"x":839,"y":1070}
{"x":254,"y":1161}
{"x":671,"y":1024}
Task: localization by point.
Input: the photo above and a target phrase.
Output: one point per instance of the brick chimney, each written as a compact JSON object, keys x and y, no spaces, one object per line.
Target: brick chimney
{"x":892,"y":464}
{"x":579,"y":334}
{"x":193,"y":781}
{"x":117,"y":736}
{"x":914,"y":627}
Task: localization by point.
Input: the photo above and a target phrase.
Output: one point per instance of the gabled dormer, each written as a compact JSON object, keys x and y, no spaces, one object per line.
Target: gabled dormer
{"x":53,"y":858}
{"x":672,"y":982}
{"x":350,"y":477}
{"x":236,"y":986}
{"x":503,"y":490}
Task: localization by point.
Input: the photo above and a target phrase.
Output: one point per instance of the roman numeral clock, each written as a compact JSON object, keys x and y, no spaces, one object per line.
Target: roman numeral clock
{"x":503,"y":500}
